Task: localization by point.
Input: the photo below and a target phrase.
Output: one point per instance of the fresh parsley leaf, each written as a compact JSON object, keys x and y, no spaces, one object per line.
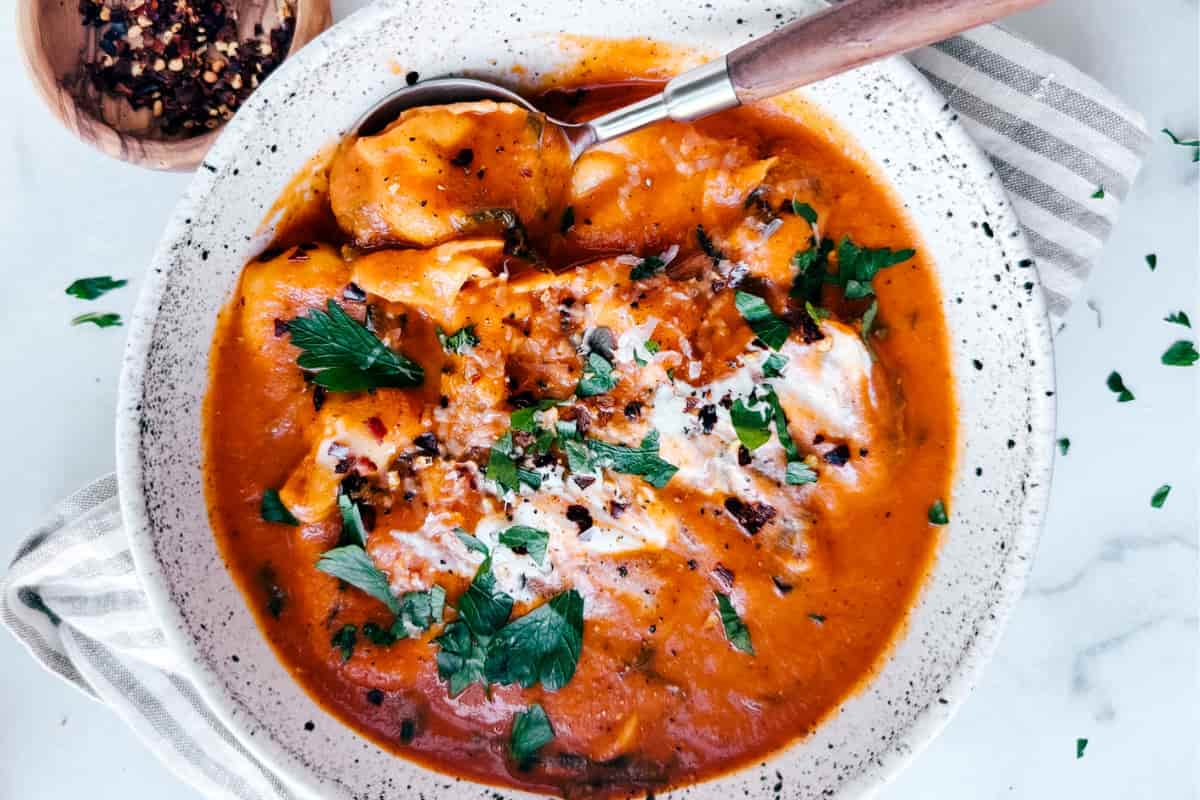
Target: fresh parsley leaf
{"x":816,"y":313}
{"x":1178,"y":318}
{"x":460,"y":657}
{"x":1152,"y":261}
{"x":542,"y":646}
{"x":811,"y":270}
{"x":500,"y":466}
{"x":346,"y":356}
{"x":1116,"y":385}
{"x":735,"y":630}
{"x":937,"y":513}
{"x":379,"y":635}
{"x":1080,"y":747}
{"x":707,"y":246}
{"x":752,"y":424}
{"x":1181,"y":354}
{"x":1192,"y":143}
{"x":108,"y":320}
{"x":799,"y":473}
{"x":774,"y":365}
{"x":1099,"y":193}
{"x":272,"y":509}
{"x":483,"y":607}
{"x":579,"y":457}
{"x":419,"y":610}
{"x":868,"y":321}
{"x":805,"y":211}
{"x":459,"y":342}
{"x":91,"y":288}
{"x":471,"y":542}
{"x":598,"y":377}
{"x":649,"y":266}
{"x":1160,"y":495}
{"x":353,"y":530}
{"x":344,"y":639}
{"x":642,"y":460}
{"x":524,"y":419}
{"x":352,"y":565}
{"x":781,"y":426}
{"x":858,"y":266}
{"x":529,"y":477}
{"x":531,"y":731}
{"x":772,"y":330}
{"x":532,"y":540}
{"x":568,"y":220}
{"x":652,"y":347}
{"x":1064,"y":445}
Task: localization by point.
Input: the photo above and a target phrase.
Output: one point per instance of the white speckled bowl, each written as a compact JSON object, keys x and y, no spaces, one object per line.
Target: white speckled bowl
{"x":1001,"y":354}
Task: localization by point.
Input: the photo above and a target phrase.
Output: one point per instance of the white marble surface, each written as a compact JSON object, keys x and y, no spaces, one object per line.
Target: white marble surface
{"x":1103,"y":645}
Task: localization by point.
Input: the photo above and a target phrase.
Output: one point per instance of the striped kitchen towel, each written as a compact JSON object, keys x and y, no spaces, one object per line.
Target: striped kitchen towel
{"x":73,"y":598}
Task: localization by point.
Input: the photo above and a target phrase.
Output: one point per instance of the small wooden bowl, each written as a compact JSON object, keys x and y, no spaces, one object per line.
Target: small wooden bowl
{"x":55,"y":42}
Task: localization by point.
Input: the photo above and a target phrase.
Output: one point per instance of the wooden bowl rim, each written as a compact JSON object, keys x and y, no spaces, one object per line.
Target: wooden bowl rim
{"x":312,"y":17}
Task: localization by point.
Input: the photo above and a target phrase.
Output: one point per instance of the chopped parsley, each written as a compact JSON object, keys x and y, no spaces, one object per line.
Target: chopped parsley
{"x":1152,"y":261}
{"x":752,"y":424}
{"x":351,"y":564}
{"x":799,"y":473}
{"x":804,"y":211}
{"x":1080,"y":747}
{"x":772,"y":330}
{"x":598,"y":376}
{"x":642,"y":460}
{"x":652,"y":347}
{"x":471,"y":542}
{"x":353,"y":530}
{"x":858,"y":266}
{"x":648,"y":267}
{"x":460,"y":657}
{"x":91,"y":288}
{"x":541,"y":647}
{"x":937,"y":513}
{"x":735,"y":630}
{"x":1160,"y":495}
{"x":774,"y":365}
{"x":816,"y":313}
{"x":1181,"y":354}
{"x":533,"y":541}
{"x":502,"y":467}
{"x":459,"y":342}
{"x":1118,"y":387}
{"x":344,"y":639}
{"x":1178,"y":318}
{"x":1099,"y":193}
{"x":272,"y":509}
{"x":811,"y":270}
{"x":483,"y":607}
{"x":347,"y":357}
{"x":781,"y":427}
{"x":1064,"y":445}
{"x":1192,"y":143}
{"x":531,"y":731}
{"x":868,"y":321}
{"x":108,"y":320}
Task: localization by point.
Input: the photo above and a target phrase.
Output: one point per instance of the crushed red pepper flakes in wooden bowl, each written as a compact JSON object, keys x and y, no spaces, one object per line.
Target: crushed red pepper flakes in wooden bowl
{"x":152,"y":81}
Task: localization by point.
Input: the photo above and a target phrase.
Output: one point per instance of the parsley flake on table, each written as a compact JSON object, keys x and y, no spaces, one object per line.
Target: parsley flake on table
{"x":345,"y":356}
{"x":858,"y":266}
{"x":107,"y":320}
{"x":772,"y":330}
{"x":531,"y":731}
{"x":1080,"y":747}
{"x":541,"y":647}
{"x":1181,"y":354}
{"x":351,"y":564}
{"x":1152,"y":261}
{"x":937,"y":513}
{"x":735,"y":630}
{"x":272,"y":509}
{"x":1064,"y":445}
{"x":523,"y":538}
{"x":1099,"y":193}
{"x":1160,"y":495}
{"x":459,"y":342}
{"x":1117,"y":386}
{"x":1178,"y":318}
{"x":1192,"y":143}
{"x":91,"y":288}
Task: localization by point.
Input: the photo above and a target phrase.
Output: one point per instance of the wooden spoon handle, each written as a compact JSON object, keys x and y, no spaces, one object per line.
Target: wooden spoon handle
{"x":850,"y":34}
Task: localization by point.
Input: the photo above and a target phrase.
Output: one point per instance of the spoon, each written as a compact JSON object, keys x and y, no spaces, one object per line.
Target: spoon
{"x":838,"y":39}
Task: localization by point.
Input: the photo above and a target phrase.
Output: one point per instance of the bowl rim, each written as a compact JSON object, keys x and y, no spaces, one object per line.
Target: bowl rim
{"x":962,"y":675}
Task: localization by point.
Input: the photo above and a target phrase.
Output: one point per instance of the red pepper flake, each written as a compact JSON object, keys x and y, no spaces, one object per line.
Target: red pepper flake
{"x":377,"y":428}
{"x":751,"y":516}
